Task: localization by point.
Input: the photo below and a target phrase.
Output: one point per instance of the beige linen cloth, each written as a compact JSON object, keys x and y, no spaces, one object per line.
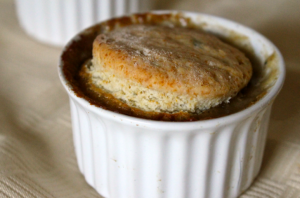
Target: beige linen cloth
{"x":36,"y":150}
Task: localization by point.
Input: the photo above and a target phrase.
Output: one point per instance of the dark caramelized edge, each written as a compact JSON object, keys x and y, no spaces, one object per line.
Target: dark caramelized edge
{"x":80,"y":49}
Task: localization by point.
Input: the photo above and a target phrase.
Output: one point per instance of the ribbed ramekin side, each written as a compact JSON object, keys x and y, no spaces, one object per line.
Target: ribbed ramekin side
{"x":25,"y":15}
{"x":247,"y":148}
{"x":257,"y":135}
{"x":234,"y":157}
{"x":262,"y":131}
{"x":44,"y":20}
{"x":251,"y":159}
{"x":198,"y":164}
{"x":241,"y":150}
{"x":127,"y":161}
{"x":56,"y":22}
{"x":236,"y":151}
{"x":244,"y":142}
{"x":107,"y":8}
{"x":76,"y":133}
{"x":220,"y":161}
{"x":135,"y":161}
{"x":100,"y":157}
{"x":89,"y":133}
{"x":175,"y":169}
{"x":85,"y":130}
{"x":121,"y":160}
{"x":116,"y":159}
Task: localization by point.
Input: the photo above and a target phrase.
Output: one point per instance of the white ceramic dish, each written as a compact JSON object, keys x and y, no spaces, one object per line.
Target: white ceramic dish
{"x":56,"y":21}
{"x":122,"y":156}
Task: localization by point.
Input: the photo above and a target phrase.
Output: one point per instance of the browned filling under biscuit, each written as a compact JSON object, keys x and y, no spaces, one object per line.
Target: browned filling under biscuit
{"x":97,"y":96}
{"x":74,"y":68}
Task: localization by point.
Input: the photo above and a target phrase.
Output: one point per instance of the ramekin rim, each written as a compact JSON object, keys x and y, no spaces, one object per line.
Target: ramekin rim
{"x":243,"y":114}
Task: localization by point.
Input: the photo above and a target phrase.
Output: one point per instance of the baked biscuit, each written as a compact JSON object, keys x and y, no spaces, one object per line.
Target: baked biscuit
{"x":168,"y":69}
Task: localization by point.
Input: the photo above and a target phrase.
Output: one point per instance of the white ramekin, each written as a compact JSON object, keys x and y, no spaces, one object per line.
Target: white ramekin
{"x":122,"y":156}
{"x":56,"y":21}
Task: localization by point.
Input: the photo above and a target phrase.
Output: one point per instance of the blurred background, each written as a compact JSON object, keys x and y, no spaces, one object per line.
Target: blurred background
{"x":36,"y":151}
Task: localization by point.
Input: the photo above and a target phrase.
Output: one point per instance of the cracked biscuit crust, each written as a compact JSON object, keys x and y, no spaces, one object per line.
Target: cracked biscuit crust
{"x":168,"y":69}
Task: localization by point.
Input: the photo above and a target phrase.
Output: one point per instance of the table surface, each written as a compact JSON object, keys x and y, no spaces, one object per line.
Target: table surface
{"x":36,"y":151}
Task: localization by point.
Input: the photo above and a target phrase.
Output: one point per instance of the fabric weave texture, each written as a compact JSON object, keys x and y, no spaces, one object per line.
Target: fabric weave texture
{"x":37,"y":156}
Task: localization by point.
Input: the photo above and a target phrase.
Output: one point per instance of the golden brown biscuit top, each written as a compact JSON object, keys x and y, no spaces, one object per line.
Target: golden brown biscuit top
{"x":174,"y":59}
